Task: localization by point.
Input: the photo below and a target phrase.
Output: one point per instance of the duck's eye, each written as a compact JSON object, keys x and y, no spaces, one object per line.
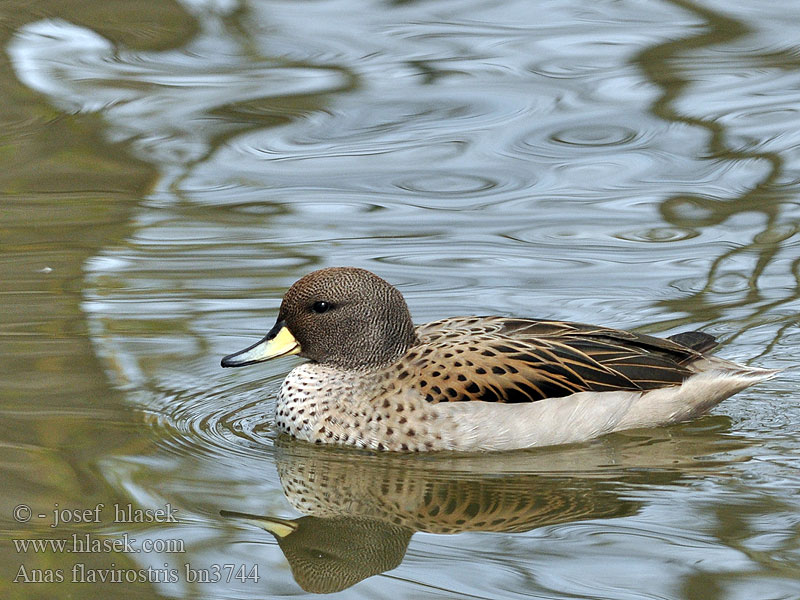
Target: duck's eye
{"x":321,"y":307}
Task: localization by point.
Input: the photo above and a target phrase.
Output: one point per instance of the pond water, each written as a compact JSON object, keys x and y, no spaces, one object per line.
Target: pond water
{"x":170,"y":168}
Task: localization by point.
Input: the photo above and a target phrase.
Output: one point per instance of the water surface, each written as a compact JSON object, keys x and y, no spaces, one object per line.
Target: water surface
{"x":171,"y":168}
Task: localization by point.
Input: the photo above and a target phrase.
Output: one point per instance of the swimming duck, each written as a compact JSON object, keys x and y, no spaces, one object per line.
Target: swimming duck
{"x":374,"y":380}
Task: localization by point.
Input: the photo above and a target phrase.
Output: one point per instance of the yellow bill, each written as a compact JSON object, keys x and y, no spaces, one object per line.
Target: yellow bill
{"x":278,"y":342}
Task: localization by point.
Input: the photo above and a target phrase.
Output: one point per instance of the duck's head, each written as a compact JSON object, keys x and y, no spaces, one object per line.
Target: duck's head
{"x":341,"y":316}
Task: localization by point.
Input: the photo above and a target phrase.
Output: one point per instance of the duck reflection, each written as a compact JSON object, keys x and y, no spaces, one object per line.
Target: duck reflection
{"x":330,"y":554}
{"x":362,"y":509}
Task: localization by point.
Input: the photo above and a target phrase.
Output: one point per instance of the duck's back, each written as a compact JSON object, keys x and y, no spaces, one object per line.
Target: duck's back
{"x":500,"y":359}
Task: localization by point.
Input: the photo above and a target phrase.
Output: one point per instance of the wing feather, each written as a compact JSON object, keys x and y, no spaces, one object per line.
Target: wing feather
{"x":523,"y":360}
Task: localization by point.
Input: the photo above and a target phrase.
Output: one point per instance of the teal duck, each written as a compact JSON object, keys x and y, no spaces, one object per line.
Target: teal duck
{"x":374,"y":380}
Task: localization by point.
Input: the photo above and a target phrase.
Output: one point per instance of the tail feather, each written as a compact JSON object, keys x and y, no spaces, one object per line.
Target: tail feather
{"x":695,"y":340}
{"x":757,"y":374}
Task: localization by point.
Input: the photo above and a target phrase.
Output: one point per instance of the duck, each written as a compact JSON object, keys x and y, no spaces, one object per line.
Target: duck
{"x":376,"y":381}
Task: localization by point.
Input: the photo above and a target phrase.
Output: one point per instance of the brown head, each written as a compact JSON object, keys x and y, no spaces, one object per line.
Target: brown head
{"x":341,"y":316}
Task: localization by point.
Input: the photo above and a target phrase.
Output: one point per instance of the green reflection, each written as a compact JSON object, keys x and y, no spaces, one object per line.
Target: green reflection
{"x":664,"y":65}
{"x":68,"y":193}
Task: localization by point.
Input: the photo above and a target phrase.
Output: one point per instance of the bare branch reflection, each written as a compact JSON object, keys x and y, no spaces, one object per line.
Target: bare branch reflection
{"x":666,"y":66}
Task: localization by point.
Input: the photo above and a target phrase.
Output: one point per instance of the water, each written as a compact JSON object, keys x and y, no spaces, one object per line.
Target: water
{"x":169,"y":169}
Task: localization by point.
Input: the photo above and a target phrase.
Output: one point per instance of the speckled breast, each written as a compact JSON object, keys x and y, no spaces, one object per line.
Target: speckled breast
{"x":321,"y":404}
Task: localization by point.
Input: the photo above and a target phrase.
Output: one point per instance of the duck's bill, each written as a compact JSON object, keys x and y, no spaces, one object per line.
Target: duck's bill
{"x":278,"y":342}
{"x":280,"y":528}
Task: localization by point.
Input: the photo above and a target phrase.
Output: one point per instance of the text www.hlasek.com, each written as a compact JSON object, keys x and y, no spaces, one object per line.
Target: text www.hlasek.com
{"x":86,"y":543}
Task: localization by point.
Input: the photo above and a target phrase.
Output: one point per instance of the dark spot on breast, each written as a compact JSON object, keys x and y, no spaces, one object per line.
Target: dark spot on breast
{"x":436,"y":389}
{"x":435,"y":374}
{"x":403,"y":375}
{"x":461,"y":377}
{"x":473,"y":388}
{"x":381,"y":446}
{"x":402,"y":420}
{"x":389,"y":431}
{"x":411,"y":433}
{"x":488,"y":353}
{"x":451,"y":392}
{"x":386,"y":404}
{"x":423,"y":383}
{"x":404,"y":447}
{"x":480,"y":371}
{"x":399,"y":408}
{"x":498,"y":370}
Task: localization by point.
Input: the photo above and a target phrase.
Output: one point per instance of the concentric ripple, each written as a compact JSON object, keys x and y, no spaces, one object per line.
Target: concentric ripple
{"x":229,"y":422}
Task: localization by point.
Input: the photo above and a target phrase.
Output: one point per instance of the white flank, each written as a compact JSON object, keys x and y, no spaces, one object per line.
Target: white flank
{"x":586,"y":415}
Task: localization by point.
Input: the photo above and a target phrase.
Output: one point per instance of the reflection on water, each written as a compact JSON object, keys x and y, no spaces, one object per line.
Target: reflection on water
{"x":174,"y":167}
{"x":362,"y":509}
{"x":735,"y":273}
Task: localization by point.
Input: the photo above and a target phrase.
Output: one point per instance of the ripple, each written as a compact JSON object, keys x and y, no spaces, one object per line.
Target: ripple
{"x":777,"y":233}
{"x":595,"y":135}
{"x":219,"y":425}
{"x":592,"y":134}
{"x":430,"y":130}
{"x":659,"y":235}
{"x":448,"y":184}
{"x":730,"y":283}
{"x":693,"y":211}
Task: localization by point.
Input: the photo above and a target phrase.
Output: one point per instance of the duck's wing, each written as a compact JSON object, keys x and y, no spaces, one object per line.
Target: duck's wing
{"x":522,"y":360}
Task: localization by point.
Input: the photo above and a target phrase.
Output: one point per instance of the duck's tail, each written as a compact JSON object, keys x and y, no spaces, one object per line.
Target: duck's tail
{"x":695,"y":340}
